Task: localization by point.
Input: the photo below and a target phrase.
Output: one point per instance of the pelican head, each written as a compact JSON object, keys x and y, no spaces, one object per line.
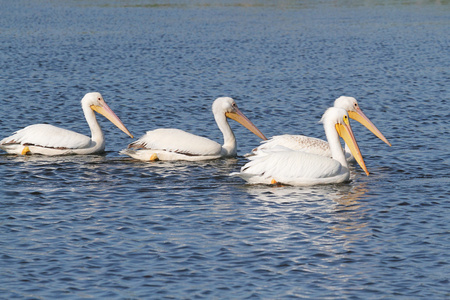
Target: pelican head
{"x":226,"y":106}
{"x":339,"y":119}
{"x":354,"y":111}
{"x":96,"y":103}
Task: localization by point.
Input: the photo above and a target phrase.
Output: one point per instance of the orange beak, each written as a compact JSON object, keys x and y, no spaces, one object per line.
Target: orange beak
{"x":104,"y":110}
{"x":239,"y":117}
{"x":361,"y":118}
{"x":346,"y":133}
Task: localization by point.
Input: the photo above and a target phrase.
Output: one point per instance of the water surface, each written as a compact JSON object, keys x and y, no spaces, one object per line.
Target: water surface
{"x":106,"y":226}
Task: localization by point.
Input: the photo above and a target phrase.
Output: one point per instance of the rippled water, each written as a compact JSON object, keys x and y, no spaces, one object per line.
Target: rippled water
{"x":111,"y":227}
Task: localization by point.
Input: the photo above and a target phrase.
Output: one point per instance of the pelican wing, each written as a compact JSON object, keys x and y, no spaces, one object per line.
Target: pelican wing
{"x":49,"y":136}
{"x":178,"y":141}
{"x":296,"y":142}
{"x":292,"y":167}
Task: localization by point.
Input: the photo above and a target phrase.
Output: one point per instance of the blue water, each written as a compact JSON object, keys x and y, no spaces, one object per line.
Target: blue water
{"x":106,"y":226}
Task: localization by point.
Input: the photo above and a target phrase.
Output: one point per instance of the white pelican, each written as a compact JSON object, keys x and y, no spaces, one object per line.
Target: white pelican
{"x":175,"y":144}
{"x":318,"y":146}
{"x":286,"y":166}
{"x":50,"y":140}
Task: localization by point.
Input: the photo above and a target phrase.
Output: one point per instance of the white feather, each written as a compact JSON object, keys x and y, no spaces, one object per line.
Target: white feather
{"x":51,"y":140}
{"x":175,"y":144}
{"x":283,"y":165}
{"x":293,"y":168}
{"x":314,"y":145}
{"x":45,"y":135}
{"x":179,"y":141}
{"x":296,"y":142}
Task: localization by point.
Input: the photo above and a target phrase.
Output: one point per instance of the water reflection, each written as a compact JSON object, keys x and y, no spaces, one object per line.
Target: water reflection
{"x":342,"y":194}
{"x":350,"y":214}
{"x":30,"y":160}
{"x":348,"y":196}
{"x":337,"y":209}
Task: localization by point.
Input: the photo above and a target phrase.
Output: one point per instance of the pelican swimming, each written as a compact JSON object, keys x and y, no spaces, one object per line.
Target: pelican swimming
{"x":47,"y":139}
{"x":318,"y":146}
{"x":286,"y":166}
{"x":175,"y":144}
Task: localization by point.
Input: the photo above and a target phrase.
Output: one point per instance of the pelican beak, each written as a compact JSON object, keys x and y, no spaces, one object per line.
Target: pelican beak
{"x":104,"y":110}
{"x":359,"y":116}
{"x":238,"y":116}
{"x":345,"y":132}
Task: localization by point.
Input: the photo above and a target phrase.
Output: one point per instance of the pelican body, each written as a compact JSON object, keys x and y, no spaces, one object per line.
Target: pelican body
{"x":318,"y":146}
{"x":175,"y":144}
{"x":47,"y":139}
{"x":299,"y":168}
